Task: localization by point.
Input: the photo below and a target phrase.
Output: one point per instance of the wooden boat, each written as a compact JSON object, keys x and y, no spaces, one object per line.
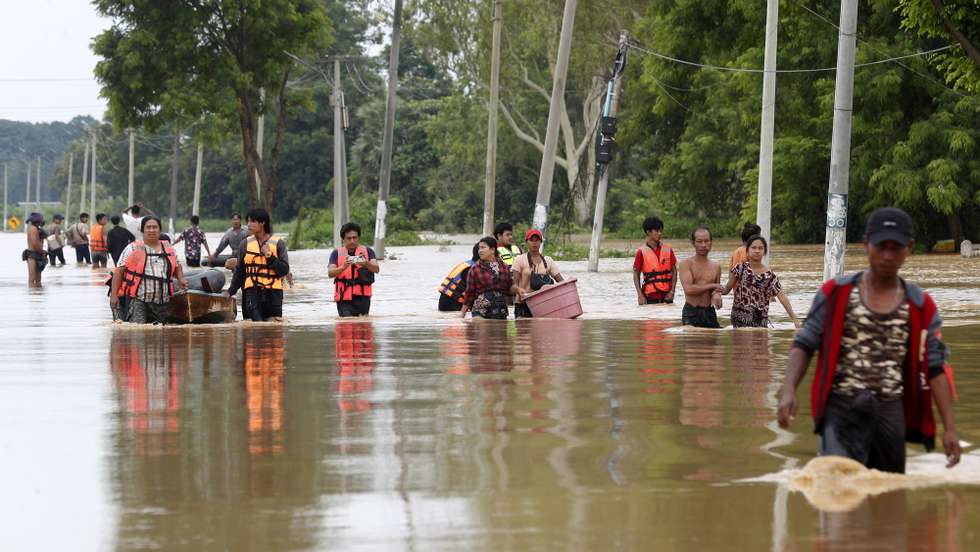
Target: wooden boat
{"x":198,"y":307}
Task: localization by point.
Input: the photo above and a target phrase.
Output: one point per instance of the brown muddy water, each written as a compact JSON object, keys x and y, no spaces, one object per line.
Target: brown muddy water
{"x":416,"y":430}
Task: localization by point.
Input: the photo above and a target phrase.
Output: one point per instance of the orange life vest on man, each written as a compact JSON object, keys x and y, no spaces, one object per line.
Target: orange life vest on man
{"x":135,"y":269}
{"x":346,"y":285}
{"x":658,"y":270}
{"x":97,"y":239}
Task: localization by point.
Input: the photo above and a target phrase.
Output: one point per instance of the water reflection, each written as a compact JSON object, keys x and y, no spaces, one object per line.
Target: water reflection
{"x":265,"y":371}
{"x":354,"y":347}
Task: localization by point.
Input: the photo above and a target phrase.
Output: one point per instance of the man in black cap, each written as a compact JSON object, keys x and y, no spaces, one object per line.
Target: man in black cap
{"x":881,"y":361}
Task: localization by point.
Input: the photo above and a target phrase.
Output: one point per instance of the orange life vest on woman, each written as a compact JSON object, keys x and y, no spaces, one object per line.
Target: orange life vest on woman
{"x":658,"y":271}
{"x":453,"y":284}
{"x":346,"y":285}
{"x":96,"y":239}
{"x":136,"y":269}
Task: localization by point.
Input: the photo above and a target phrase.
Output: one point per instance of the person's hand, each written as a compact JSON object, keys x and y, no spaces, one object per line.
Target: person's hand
{"x":265,"y":249}
{"x":348,"y":260}
{"x":797,"y":323}
{"x":362,"y":263}
{"x":211,"y":260}
{"x":225,"y":293}
{"x":716,"y":300}
{"x":114,"y":300}
{"x":951,"y":444}
{"x":641,"y":299}
{"x":786,"y":410}
{"x":670,"y":297}
{"x":183,"y":283}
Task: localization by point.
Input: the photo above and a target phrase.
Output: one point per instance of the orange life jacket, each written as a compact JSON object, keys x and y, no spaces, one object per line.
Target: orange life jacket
{"x":658,"y":271}
{"x":346,"y":285}
{"x":135,"y":268}
{"x":97,"y":239}
{"x":453,"y":284}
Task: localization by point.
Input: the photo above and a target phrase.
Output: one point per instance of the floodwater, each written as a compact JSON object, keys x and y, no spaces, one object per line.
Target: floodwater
{"x":416,"y":430}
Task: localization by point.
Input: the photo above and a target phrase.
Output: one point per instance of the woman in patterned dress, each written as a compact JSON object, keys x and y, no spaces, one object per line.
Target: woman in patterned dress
{"x":755,"y":286}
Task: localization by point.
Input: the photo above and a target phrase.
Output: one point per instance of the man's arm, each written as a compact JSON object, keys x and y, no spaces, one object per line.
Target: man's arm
{"x":371,"y":263}
{"x":640,"y":298}
{"x":687,"y":281}
{"x":238,"y":277}
{"x":942,"y":395}
{"x":799,"y":360}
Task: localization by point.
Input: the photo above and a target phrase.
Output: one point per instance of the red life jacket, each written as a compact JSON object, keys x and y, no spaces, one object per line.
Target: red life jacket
{"x":346,"y":285}
{"x":920,"y":425}
{"x":135,"y":269}
{"x":658,"y":271}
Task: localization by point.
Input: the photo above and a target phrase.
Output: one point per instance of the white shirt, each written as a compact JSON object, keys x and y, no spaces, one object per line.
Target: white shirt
{"x":133,"y":225}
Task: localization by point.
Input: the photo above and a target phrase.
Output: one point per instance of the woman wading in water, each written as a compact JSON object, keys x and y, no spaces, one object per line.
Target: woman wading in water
{"x":755,"y":286}
{"x":487,"y":284}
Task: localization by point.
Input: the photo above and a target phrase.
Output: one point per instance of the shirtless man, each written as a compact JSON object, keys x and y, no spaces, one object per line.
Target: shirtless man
{"x":701,"y":278}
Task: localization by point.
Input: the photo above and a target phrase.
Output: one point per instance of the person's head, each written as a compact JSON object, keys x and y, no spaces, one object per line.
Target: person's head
{"x":83,"y":217}
{"x":476,"y":252}
{"x":151,"y":227}
{"x":134,"y":210}
{"x":100,"y":218}
{"x":756,"y":248}
{"x":35,"y":219}
{"x":653,"y":227}
{"x":258,"y":219}
{"x":350,"y":233}
{"x":58,"y":219}
{"x":116,"y":220}
{"x":195,"y":220}
{"x":750,"y":229}
{"x":236,"y":220}
{"x":701,"y":240}
{"x":503,"y":234}
{"x":533,"y":239}
{"x":487,"y":248}
{"x":888,"y":241}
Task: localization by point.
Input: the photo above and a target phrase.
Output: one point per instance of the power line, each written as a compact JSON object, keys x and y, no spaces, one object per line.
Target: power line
{"x":759,"y":71}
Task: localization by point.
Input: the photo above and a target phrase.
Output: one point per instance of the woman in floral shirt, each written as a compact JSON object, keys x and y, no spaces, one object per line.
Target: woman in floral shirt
{"x":487,"y":283}
{"x":755,"y":286}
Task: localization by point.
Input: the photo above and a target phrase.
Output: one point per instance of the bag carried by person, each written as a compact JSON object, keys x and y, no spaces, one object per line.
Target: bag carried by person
{"x":538,"y":281}
{"x":492,"y":304}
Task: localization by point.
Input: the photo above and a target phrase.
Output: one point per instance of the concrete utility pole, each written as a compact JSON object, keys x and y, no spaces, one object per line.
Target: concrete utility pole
{"x":490,"y":189}
{"x":338,"y":153}
{"x":389,"y":132}
{"x":344,"y":190}
{"x":540,"y":220}
{"x":71,"y":169}
{"x":94,"y":179}
{"x":198,"y":174}
{"x":27,"y":193}
{"x":4,"y":196}
{"x":81,"y":199}
{"x":259,"y":140}
{"x":37,"y":186}
{"x":763,"y":209}
{"x":173,"y":182}
{"x":132,"y":153}
{"x":611,"y":107}
{"x":840,"y":147}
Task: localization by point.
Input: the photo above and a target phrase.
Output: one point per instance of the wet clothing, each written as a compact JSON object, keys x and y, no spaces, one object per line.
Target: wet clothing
{"x":259,"y":305}
{"x":262,"y":272}
{"x":116,"y":240}
{"x":97,"y":239}
{"x":699,"y":317}
{"x":232,"y":238}
{"x":353,"y":283}
{"x":753,"y":293}
{"x":193,"y":238}
{"x":487,"y":286}
{"x":824,"y":329}
{"x":82,"y":254}
{"x":357,"y":306}
{"x":542,"y":274}
{"x":867,"y":428}
{"x":39,"y":258}
{"x":872,"y":350}
{"x":656,"y":266}
{"x":56,"y":243}
{"x":56,"y":255}
{"x":148,"y":273}
{"x":133,"y":224}
{"x":77,"y":234}
{"x":138,"y":311}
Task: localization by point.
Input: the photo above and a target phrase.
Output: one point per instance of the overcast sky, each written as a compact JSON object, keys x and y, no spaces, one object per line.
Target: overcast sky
{"x":45,"y":60}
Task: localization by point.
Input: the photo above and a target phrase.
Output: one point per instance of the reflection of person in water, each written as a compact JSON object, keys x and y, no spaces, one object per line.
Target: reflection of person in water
{"x":354,"y":346}
{"x":265,"y":367}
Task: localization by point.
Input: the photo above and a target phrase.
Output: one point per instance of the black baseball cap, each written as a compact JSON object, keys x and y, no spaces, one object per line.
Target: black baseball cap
{"x":889,"y":224}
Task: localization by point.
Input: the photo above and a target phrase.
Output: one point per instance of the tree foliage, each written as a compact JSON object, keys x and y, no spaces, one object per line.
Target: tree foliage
{"x":950,"y":20}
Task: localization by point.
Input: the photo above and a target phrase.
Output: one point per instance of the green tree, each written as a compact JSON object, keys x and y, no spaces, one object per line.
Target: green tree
{"x":180,"y":62}
{"x":956,"y":20}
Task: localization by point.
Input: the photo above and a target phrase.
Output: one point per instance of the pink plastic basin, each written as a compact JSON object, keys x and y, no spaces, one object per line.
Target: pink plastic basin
{"x":558,"y":301}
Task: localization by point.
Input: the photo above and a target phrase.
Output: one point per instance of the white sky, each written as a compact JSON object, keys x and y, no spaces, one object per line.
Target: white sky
{"x":42,"y":41}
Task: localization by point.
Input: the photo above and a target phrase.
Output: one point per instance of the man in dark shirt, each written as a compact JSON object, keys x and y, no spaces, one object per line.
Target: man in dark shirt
{"x":118,"y":238}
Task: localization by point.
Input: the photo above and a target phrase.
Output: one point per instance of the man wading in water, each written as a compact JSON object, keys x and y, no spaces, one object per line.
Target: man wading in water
{"x":701,"y":278}
{"x":880,"y":361}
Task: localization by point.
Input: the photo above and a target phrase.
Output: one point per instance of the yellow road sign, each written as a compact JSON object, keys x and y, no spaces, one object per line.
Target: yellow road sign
{"x":13,"y":223}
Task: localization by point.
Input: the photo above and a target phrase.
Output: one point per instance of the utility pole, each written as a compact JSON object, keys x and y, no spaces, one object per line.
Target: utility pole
{"x":338,"y":153}
{"x":71,"y":168}
{"x":27,"y":193}
{"x":37,"y":186}
{"x":198,"y":174}
{"x":81,"y":200}
{"x":540,"y":220}
{"x":606,"y":142}
{"x":173,"y":182}
{"x":259,"y":139}
{"x":763,"y":209}
{"x":389,"y":132}
{"x":132,"y":152}
{"x":840,"y":147}
{"x":490,"y":189}
{"x":94,"y":180}
{"x":344,"y":190}
{"x":4,"y":196}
